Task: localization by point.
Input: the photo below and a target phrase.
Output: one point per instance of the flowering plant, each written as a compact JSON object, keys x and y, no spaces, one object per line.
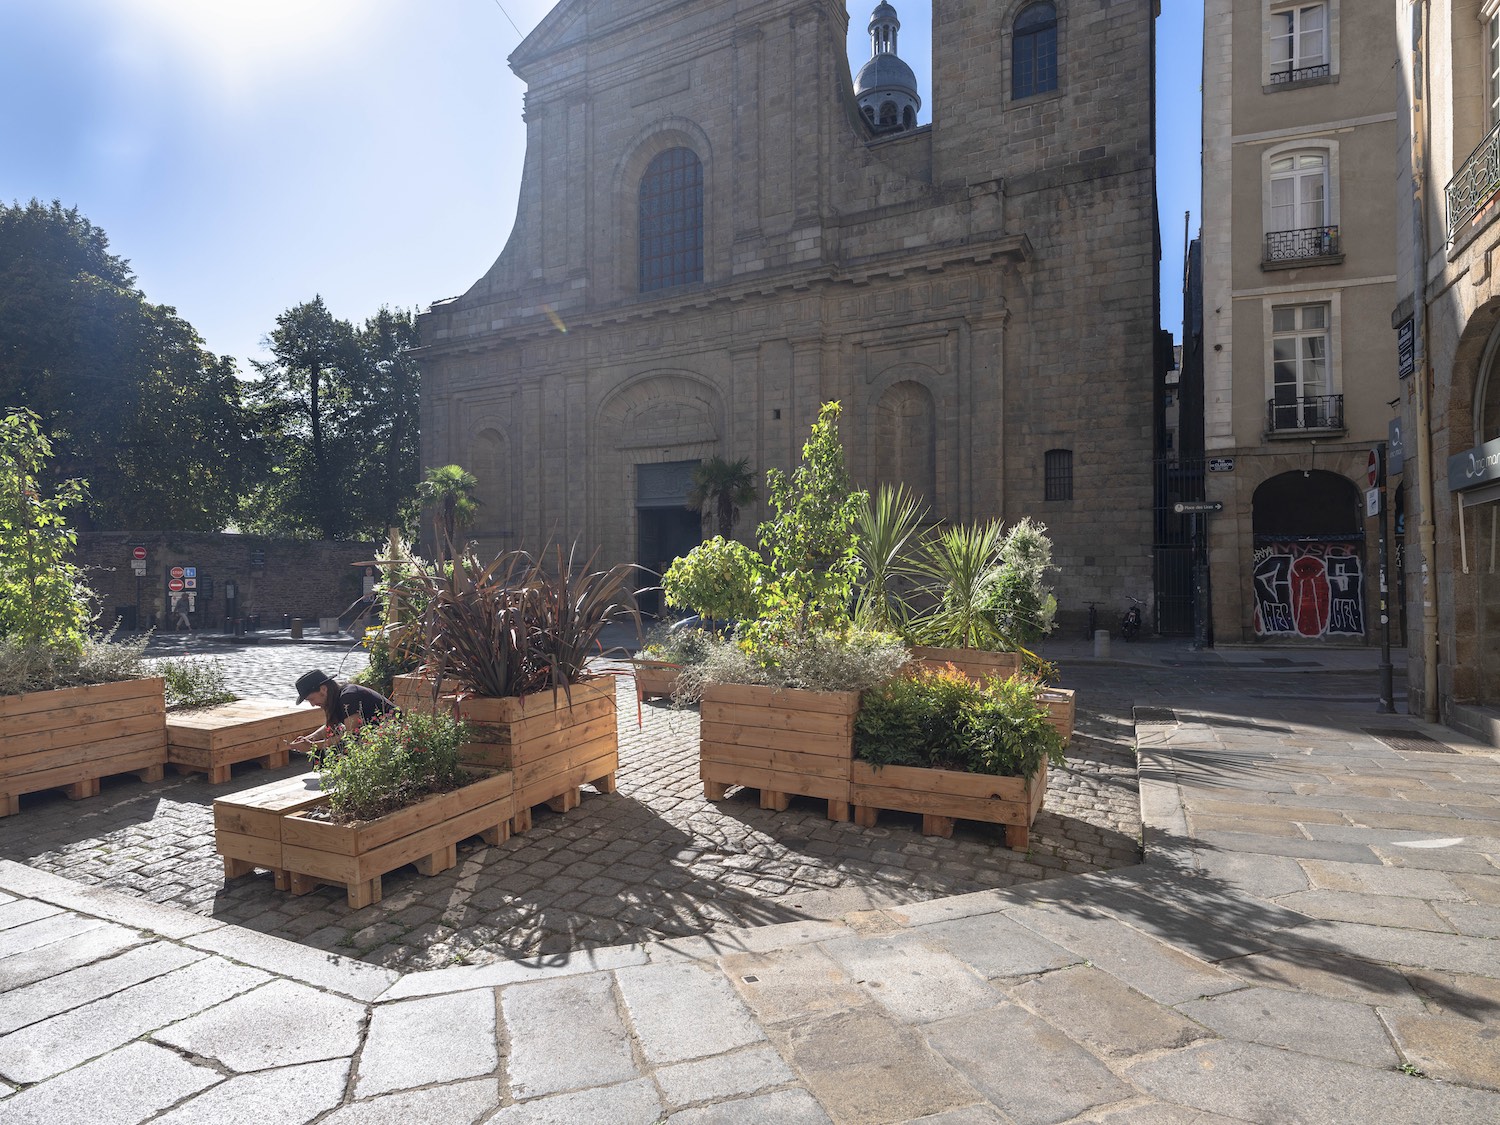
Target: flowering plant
{"x":391,"y":762}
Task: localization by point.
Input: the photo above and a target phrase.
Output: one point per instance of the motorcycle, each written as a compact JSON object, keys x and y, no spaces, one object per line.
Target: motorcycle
{"x":1130,"y":622}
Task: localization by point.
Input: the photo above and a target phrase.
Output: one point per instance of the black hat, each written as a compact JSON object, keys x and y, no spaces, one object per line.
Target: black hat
{"x":309,"y":682}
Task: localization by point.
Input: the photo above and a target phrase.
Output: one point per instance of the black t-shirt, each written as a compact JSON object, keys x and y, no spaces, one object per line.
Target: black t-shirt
{"x":358,"y":699}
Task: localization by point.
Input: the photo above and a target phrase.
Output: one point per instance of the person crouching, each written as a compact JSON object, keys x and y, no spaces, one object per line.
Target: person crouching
{"x":345,"y":708}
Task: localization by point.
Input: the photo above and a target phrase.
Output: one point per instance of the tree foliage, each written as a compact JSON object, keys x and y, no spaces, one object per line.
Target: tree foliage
{"x":449,"y":491}
{"x":336,"y":407}
{"x":131,"y":399}
{"x":720,"y":489}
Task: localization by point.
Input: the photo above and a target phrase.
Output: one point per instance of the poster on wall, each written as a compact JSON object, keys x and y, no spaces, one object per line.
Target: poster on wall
{"x":1309,"y":589}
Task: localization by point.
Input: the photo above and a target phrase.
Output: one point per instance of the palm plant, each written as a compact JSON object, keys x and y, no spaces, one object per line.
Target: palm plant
{"x":719,"y":489}
{"x":450,"y":489}
{"x":888,"y":525}
{"x":958,"y":564}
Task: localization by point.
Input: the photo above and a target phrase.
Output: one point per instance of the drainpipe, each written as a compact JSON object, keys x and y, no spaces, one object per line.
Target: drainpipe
{"x":1426,"y":533}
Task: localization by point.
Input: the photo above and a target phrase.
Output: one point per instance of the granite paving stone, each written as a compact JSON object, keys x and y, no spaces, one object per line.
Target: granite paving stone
{"x":1309,"y":1025}
{"x":1392,"y":882}
{"x":1108,"y":1017}
{"x":783,"y":1107}
{"x":791,"y":984}
{"x":1025,"y":1066}
{"x":1351,"y":906}
{"x":1450,"y":1047}
{"x":92,"y":944}
{"x":17,"y":912}
{"x":631,"y":1103}
{"x":289,"y":1095}
{"x":65,"y":1040}
{"x":278,"y":1025}
{"x":915,"y":980}
{"x":684,"y":1011}
{"x":565,"y":1034}
{"x":42,"y":999}
{"x":122,"y":1088}
{"x":419,"y":1042}
{"x":723,"y":1076}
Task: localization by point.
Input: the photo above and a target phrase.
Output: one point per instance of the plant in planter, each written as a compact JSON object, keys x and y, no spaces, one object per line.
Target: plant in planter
{"x":944,"y":745}
{"x":394,"y":792}
{"x":889,"y":527}
{"x":513,"y":639}
{"x":73,"y":707}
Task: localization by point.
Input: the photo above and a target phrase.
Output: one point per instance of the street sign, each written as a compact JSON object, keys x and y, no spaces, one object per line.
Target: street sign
{"x":1406,"y":349}
{"x":190,"y":572}
{"x":1183,"y":507}
{"x":176,"y":572}
{"x":175,"y":585}
{"x":138,"y":553}
{"x":1372,"y":502}
{"x":1395,"y":448}
{"x":1221,"y":464}
{"x":1372,"y":468}
{"x":189,"y":583}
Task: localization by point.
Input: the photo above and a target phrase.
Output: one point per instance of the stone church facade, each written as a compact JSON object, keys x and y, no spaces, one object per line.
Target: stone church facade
{"x":715,"y":235}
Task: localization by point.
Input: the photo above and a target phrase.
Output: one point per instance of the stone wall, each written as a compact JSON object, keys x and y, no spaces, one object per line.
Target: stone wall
{"x":298,"y":578}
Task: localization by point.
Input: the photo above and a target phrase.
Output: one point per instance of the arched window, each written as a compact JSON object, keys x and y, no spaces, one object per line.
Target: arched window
{"x":888,"y":113}
{"x":1057,"y":478}
{"x":671,"y":221}
{"x":909,"y":118}
{"x":1033,"y":51}
{"x":870,"y":114}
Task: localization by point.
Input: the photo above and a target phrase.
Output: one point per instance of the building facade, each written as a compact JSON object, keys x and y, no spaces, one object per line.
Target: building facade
{"x":1448,"y":317}
{"x":713,"y":238}
{"x":1298,"y":268}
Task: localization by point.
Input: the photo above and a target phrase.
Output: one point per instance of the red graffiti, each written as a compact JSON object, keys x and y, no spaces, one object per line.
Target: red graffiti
{"x":1310,"y":596}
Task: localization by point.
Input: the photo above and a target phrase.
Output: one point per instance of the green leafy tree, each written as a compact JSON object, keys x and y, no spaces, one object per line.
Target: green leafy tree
{"x":449,"y":491}
{"x":716,"y":580}
{"x":125,"y":389}
{"x":810,"y":543}
{"x":720,"y":489}
{"x":385,"y":419}
{"x":42,"y":596}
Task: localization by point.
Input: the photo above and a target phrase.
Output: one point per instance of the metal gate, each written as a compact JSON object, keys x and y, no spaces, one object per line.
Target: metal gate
{"x":1179,"y":548}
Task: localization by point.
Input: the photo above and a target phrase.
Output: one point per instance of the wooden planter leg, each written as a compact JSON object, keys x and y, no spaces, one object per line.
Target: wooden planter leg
{"x":234,"y":868}
{"x":300,"y":884}
{"x":715,"y":790}
{"x":10,"y":804}
{"x":497,"y":835}
{"x":1017,"y":836}
{"x":218,"y":775}
{"x":838,"y":810}
{"x":79,"y":790}
{"x":521,"y":822}
{"x":937,"y":825}
{"x":364,"y":894}
{"x":605,"y":784}
{"x":282,"y":878}
{"x":438,"y":861}
{"x":151,"y":773}
{"x":866,"y":816}
{"x":776,"y":802}
{"x":274,"y":760}
{"x":565,"y":802}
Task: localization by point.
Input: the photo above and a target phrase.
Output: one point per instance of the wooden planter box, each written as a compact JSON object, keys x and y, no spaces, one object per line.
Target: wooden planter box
{"x":942,"y":796}
{"x":71,"y":737}
{"x":1060,"y":706}
{"x":780,"y":742}
{"x":412,"y":693}
{"x":549,"y":745}
{"x":655,"y":678}
{"x":427,"y":834}
{"x":213,"y":739}
{"x":247,"y":826}
{"x":975,"y":663}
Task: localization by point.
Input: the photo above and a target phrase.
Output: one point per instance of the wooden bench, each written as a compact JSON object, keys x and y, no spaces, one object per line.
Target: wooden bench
{"x":247,"y":826}
{"x":213,"y":739}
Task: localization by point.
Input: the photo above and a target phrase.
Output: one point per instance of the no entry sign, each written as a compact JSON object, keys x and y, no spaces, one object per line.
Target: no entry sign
{"x":138,"y":552}
{"x":175,"y":585}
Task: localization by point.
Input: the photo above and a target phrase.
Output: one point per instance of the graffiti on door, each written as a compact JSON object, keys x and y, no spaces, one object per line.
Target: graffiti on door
{"x":1309,"y":590}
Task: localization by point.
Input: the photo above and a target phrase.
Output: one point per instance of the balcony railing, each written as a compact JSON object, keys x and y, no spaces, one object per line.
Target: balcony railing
{"x":1320,"y":412}
{"x":1311,"y":242}
{"x":1300,"y":74}
{"x":1475,"y":184}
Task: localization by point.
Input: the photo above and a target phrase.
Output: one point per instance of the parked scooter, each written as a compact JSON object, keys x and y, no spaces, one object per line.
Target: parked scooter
{"x":1130,"y":621}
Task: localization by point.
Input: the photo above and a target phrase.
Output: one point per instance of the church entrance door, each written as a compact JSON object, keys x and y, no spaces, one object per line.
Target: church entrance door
{"x":667,"y":527}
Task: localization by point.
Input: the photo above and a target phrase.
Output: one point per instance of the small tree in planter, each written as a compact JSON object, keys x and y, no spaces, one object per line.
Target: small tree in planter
{"x":943,"y":745}
{"x":54,"y":676}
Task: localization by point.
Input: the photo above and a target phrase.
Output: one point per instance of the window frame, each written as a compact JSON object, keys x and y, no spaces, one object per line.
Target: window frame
{"x":1280,"y":76}
{"x":650,"y":278}
{"x":1031,"y":35}
{"x":1324,"y":249}
{"x":1057,"y":476}
{"x":1333,"y":382}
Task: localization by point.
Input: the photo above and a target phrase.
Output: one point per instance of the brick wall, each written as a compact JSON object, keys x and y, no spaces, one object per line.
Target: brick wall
{"x":300,"y":578}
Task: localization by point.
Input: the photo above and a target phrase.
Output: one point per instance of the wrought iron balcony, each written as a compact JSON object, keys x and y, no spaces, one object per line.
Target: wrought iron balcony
{"x":1320,"y":412}
{"x":1311,"y":242}
{"x":1475,"y":184}
{"x":1302,"y":73}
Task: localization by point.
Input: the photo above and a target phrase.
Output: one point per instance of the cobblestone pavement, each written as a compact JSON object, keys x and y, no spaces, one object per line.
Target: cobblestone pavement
{"x":652,"y":861}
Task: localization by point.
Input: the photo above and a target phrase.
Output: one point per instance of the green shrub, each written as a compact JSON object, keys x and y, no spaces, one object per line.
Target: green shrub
{"x":390,"y":763}
{"x":940,"y":719}
{"x":194,"y":683}
{"x":816,"y":662}
{"x":42,"y":667}
{"x":680,"y":646}
{"x":716,"y":580}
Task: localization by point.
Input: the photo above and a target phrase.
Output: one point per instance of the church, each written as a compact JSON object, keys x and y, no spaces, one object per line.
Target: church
{"x":720,"y":227}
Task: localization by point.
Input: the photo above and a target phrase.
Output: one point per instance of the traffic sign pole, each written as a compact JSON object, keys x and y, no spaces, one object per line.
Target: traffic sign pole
{"x":1387,"y":673}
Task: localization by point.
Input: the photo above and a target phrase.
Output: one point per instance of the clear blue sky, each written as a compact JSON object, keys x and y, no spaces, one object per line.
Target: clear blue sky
{"x":247,"y":154}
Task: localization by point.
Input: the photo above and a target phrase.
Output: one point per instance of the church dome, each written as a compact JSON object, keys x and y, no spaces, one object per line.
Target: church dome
{"x":885,"y":72}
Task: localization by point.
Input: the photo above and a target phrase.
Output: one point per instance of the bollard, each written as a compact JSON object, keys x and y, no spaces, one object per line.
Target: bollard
{"x":1101,"y":644}
{"x":296,"y":628}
